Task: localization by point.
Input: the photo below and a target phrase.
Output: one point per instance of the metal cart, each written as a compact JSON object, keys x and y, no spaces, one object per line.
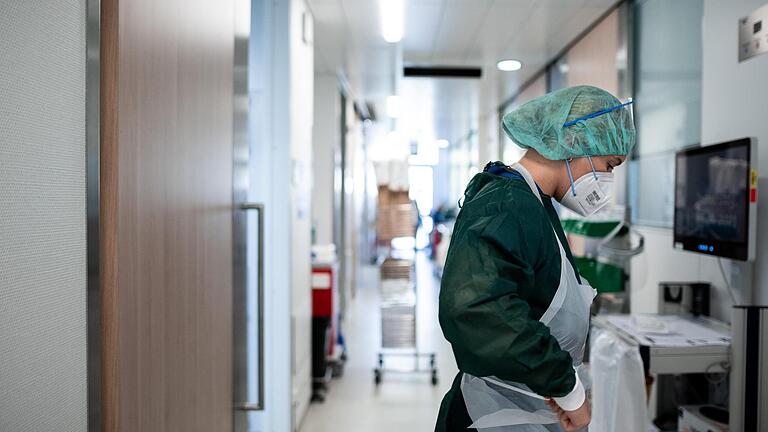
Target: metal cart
{"x":398,"y":320}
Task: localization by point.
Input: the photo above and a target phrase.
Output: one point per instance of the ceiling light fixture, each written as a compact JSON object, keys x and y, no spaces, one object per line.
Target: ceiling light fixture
{"x":509,"y":65}
{"x":443,"y":143}
{"x":392,"y":19}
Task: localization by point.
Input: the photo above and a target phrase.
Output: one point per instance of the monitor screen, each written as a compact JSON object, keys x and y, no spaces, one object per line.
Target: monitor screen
{"x":712,"y":198}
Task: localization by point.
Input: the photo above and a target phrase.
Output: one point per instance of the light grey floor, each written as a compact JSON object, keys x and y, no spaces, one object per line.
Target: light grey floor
{"x":403,"y":402}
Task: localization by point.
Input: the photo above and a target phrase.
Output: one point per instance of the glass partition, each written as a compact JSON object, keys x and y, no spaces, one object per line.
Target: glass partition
{"x":667,"y":76}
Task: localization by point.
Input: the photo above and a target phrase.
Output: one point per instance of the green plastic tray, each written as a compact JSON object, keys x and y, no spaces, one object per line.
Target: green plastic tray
{"x":605,"y":278}
{"x":587,"y":228}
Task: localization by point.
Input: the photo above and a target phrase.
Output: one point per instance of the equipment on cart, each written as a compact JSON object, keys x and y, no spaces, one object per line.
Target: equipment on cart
{"x":328,"y":355}
{"x":396,"y":225}
{"x":398,"y":319}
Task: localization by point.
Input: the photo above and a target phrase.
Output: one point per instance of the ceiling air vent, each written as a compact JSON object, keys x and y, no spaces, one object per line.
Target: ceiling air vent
{"x":442,"y":72}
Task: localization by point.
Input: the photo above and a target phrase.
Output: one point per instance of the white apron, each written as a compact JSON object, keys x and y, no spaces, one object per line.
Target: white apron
{"x":509,"y":406}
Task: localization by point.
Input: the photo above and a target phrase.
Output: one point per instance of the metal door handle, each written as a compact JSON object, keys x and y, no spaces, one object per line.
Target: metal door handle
{"x":258,"y":405}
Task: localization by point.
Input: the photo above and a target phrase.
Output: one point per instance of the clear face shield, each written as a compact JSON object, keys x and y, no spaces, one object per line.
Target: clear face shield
{"x":627,"y":106}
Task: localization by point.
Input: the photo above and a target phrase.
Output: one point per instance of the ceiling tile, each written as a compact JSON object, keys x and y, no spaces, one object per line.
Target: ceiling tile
{"x":505,"y":19}
{"x":477,"y":32}
{"x":458,"y":28}
{"x":421,"y":25}
{"x":331,"y":36}
{"x":364,"y":22}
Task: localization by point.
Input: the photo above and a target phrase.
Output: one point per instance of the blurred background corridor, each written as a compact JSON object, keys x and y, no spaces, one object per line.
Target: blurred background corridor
{"x":234,"y":215}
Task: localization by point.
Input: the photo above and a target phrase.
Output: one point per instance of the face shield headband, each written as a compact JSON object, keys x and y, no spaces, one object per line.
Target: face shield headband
{"x":601,"y":112}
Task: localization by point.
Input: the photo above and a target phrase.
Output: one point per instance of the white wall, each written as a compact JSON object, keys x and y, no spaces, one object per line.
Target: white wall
{"x":301,"y":119}
{"x":324,"y":142}
{"x":43,"y":314}
{"x":667,"y":101}
{"x":443,"y":193}
{"x":661,"y":263}
{"x":346,"y":251}
{"x":488,"y":127}
{"x":734,"y":105}
{"x":281,"y":93}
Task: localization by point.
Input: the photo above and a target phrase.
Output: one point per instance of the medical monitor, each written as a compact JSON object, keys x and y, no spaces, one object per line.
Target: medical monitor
{"x":716,"y":199}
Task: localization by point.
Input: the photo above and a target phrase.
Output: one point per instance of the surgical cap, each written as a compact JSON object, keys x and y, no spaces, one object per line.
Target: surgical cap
{"x":572,"y":122}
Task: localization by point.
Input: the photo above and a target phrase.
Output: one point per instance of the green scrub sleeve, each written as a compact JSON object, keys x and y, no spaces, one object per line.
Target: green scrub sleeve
{"x":486,"y":321}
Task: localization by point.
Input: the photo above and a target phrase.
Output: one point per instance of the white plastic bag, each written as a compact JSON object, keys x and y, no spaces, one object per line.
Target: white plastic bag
{"x":618,"y":385}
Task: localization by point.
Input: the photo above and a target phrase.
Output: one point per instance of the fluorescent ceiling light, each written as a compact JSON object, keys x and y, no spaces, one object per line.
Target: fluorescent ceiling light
{"x":509,"y":65}
{"x":393,"y":107}
{"x":392,"y":19}
{"x":443,"y":143}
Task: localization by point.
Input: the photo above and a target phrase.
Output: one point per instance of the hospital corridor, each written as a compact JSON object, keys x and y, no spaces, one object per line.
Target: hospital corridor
{"x":383,"y":215}
{"x":407,"y":396}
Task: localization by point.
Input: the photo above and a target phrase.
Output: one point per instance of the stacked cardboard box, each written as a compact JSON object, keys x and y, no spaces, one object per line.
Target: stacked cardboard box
{"x":397,"y":215}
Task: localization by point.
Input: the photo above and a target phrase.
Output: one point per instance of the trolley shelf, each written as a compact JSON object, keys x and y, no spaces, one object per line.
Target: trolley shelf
{"x":398,"y":319}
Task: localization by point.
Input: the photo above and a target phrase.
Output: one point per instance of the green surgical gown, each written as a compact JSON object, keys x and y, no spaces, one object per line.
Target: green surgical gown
{"x":501,"y":273}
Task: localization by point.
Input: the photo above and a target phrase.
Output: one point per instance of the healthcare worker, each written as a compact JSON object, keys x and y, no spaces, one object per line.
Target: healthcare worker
{"x":512,"y":304}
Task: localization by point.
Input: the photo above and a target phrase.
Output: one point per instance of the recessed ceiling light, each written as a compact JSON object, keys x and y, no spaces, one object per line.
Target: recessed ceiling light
{"x":443,"y":143}
{"x":509,"y":65}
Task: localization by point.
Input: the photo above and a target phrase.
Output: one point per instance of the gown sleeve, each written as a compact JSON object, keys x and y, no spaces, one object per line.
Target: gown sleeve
{"x":482,"y":314}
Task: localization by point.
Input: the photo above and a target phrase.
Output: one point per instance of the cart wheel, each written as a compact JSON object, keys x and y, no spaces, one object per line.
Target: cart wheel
{"x":434,"y":377}
{"x":377,"y":376}
{"x":381,"y":361}
{"x":432,"y":361}
{"x":337,"y":370}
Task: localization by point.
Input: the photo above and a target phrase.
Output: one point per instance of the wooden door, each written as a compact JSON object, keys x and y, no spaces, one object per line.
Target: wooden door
{"x":166,"y":213}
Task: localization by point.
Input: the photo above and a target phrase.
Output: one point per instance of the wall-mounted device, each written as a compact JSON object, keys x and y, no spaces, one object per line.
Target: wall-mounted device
{"x":678,"y":298}
{"x":716,"y":199}
{"x":753,"y":34}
